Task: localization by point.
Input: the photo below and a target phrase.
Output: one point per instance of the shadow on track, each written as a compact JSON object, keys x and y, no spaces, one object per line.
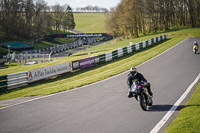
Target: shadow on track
{"x":159,"y":108}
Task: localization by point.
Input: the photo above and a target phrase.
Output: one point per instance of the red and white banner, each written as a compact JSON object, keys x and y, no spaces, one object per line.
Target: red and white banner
{"x":50,"y":71}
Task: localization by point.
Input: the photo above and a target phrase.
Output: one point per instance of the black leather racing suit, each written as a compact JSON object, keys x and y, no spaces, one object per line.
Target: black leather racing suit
{"x":138,"y":77}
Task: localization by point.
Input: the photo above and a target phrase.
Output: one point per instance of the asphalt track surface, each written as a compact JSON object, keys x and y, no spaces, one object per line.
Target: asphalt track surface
{"x":103,"y":107}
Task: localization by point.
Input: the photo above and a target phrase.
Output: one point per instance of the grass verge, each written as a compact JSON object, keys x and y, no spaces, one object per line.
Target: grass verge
{"x":100,"y":72}
{"x":188,"y":119}
{"x":90,"y":75}
{"x":90,"y":22}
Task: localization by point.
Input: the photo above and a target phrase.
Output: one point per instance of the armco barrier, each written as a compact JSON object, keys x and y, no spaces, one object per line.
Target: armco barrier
{"x":130,"y":49}
{"x":3,"y":82}
{"x":58,"y":48}
{"x":14,"y":80}
{"x":102,"y":58}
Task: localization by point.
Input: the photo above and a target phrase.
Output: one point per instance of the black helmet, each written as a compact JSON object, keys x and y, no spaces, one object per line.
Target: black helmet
{"x":133,"y":71}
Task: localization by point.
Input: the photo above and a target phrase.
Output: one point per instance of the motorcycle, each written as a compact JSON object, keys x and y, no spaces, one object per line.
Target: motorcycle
{"x":140,"y":92}
{"x":195,"y":49}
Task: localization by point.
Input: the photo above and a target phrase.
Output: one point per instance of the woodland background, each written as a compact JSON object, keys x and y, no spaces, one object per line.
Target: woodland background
{"x":132,"y":17}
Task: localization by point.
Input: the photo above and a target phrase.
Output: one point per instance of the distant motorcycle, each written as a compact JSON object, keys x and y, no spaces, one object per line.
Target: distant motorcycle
{"x":195,"y":49}
{"x":141,"y":94}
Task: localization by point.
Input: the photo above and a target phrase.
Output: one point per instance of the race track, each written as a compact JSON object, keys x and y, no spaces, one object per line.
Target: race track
{"x":103,"y":107}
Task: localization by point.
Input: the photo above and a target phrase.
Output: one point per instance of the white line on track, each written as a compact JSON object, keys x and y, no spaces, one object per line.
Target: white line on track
{"x":89,"y":84}
{"x":174,"y":107}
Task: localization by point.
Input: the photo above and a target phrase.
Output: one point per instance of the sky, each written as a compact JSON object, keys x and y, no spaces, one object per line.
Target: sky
{"x":83,"y":3}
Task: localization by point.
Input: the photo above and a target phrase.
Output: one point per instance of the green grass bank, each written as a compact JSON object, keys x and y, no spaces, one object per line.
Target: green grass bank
{"x":90,"y":22}
{"x":188,"y":119}
{"x":100,"y":72}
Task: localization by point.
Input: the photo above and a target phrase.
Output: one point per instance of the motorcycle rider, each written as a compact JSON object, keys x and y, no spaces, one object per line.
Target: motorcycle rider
{"x":195,"y":47}
{"x":195,"y":43}
{"x":135,"y":75}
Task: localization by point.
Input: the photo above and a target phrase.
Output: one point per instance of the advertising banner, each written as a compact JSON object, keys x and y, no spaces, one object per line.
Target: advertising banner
{"x":129,"y":49}
{"x":125,"y":51}
{"x":77,"y":35}
{"x":159,"y":38}
{"x":163,"y":37}
{"x":137,"y":46}
{"x":133,"y":47}
{"x":88,"y":62}
{"x":120,"y":52}
{"x":84,"y":63}
{"x":75,"y":65}
{"x":154,"y":40}
{"x":109,"y":56}
{"x":144,"y":44}
{"x":46,"y":72}
{"x":115,"y":54}
{"x":102,"y":58}
{"x":141,"y":45}
{"x":150,"y":42}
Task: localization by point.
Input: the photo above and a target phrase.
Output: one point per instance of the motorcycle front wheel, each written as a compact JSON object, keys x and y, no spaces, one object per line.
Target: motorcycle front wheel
{"x":142,"y":101}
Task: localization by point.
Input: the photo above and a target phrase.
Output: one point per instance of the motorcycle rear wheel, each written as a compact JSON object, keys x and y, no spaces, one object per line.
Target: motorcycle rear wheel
{"x":151,"y":102}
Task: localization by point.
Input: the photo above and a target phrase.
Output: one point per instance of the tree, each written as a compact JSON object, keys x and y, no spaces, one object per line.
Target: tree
{"x":132,"y":17}
{"x":68,"y":19}
{"x":32,"y":19}
{"x":111,"y":23}
{"x":191,"y":8}
{"x":29,"y":11}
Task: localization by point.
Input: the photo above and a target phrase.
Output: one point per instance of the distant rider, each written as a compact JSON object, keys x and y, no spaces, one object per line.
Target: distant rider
{"x":136,"y":76}
{"x":195,"y":43}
